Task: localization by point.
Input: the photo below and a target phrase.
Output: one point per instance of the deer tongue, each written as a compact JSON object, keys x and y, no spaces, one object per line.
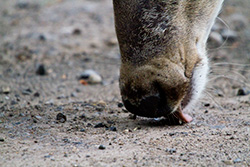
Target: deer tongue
{"x":184,"y":117}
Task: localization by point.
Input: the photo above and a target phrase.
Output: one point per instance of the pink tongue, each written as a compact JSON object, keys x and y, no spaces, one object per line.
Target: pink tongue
{"x":184,"y":117}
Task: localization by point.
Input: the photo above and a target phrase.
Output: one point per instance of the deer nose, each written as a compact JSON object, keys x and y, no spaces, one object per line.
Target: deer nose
{"x":151,"y":106}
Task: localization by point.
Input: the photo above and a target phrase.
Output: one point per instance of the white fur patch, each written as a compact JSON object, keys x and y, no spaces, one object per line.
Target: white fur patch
{"x":200,"y":72}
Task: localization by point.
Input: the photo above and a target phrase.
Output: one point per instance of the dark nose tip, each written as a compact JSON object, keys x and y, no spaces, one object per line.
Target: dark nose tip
{"x":152,"y":106}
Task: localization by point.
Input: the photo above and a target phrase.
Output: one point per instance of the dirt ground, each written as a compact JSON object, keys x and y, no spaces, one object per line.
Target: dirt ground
{"x":52,"y":119}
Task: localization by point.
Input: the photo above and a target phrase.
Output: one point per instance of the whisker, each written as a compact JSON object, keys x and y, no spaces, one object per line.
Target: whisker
{"x":228,"y":64}
{"x":227,"y":77}
{"x":237,"y":73}
{"x":225,"y":41}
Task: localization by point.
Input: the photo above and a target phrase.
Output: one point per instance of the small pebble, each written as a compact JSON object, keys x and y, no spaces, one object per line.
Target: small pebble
{"x":216,"y":37}
{"x":40,"y":69}
{"x":100,"y":125}
{"x":113,"y":128}
{"x":42,"y":37}
{"x":61,"y":118}
{"x":132,"y":116}
{"x":237,"y":160}
{"x":1,"y":140}
{"x":36,"y":94}
{"x":76,"y":31}
{"x":13,"y":102}
{"x":65,"y":140}
{"x":229,"y":35}
{"x":91,"y":77}
{"x":73,"y":94}
{"x":38,"y":117}
{"x":82,"y":130}
{"x":102,"y":147}
{"x":101,"y":103}
{"x":83,"y":116}
{"x":50,"y":102}
{"x":77,"y":142}
{"x":27,"y":91}
{"x":172,"y":134}
{"x":206,"y":104}
{"x":120,"y":105}
{"x":47,"y":156}
{"x":172,"y":150}
{"x":227,"y":162}
{"x":243,"y":92}
{"x":6,"y":90}
{"x":111,"y":42}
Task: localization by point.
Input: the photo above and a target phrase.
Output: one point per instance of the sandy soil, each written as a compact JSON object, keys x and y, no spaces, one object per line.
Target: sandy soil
{"x":70,"y":36}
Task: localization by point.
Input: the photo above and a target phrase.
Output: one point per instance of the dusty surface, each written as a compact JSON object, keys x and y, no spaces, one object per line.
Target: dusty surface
{"x":70,"y":36}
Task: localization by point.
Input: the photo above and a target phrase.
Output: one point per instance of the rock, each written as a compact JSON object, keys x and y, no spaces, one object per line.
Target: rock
{"x":216,"y":38}
{"x":229,"y":35}
{"x":40,"y":70}
{"x":101,"y":103}
{"x":42,"y":37}
{"x":61,"y":118}
{"x":100,"y":125}
{"x":82,"y":130}
{"x":132,"y":116}
{"x":172,"y":150}
{"x":36,"y":94}
{"x":90,"y":76}
{"x":77,"y":142}
{"x":227,"y":162}
{"x":243,"y":92}
{"x":77,"y":31}
{"x":27,"y":91}
{"x":102,"y":147}
{"x":172,"y":133}
{"x":5,"y":90}
{"x":73,"y":94}
{"x":113,"y":128}
{"x":66,"y":140}
{"x":111,"y":42}
{"x":13,"y":102}
{"x":120,"y":105}
{"x":82,"y":116}
{"x":50,"y":102}
{"x":1,"y":139}
{"x":206,"y":104}
{"x":237,"y":160}
{"x":38,"y":117}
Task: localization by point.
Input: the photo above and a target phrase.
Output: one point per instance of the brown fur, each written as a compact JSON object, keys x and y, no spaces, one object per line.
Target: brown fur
{"x":158,"y":43}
